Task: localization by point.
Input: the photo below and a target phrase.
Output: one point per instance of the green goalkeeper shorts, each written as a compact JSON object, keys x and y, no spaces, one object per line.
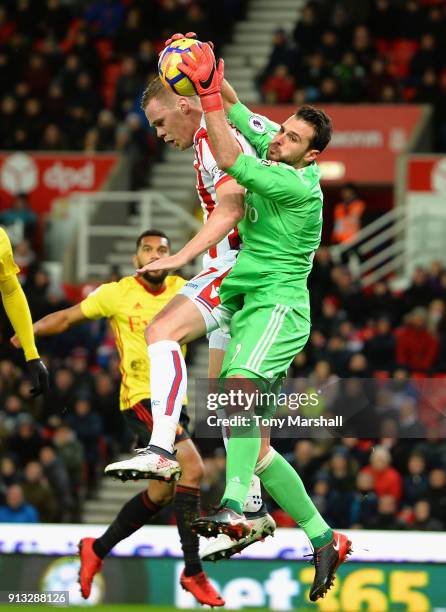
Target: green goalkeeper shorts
{"x":267,"y":332}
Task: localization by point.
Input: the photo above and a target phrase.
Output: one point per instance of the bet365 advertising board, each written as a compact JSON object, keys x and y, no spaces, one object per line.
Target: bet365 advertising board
{"x":388,"y":572}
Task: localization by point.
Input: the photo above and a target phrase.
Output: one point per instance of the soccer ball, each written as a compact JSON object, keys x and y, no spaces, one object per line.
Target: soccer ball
{"x":171,"y":77}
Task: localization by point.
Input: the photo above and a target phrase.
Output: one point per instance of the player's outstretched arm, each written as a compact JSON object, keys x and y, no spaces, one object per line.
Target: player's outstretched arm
{"x":229,"y":96}
{"x":224,"y":218}
{"x":207,"y":77}
{"x":54,"y":323}
{"x":17,"y":311}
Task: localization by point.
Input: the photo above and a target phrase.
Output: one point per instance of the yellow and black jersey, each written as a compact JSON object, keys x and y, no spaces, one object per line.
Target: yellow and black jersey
{"x":8,"y":266}
{"x":131,"y":305}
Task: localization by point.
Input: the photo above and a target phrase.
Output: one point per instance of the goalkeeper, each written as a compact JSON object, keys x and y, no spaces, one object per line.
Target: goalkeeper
{"x":265,"y":296}
{"x":17,"y":311}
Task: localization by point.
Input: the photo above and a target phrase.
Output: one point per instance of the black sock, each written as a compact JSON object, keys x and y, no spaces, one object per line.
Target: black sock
{"x":187,"y":508}
{"x":134,"y":514}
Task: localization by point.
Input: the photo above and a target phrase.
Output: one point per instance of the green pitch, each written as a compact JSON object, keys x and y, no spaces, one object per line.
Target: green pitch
{"x":115,"y":608}
{"x":120,"y":607}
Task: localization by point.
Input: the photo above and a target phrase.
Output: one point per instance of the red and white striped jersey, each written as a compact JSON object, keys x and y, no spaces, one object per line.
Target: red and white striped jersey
{"x":209,"y":177}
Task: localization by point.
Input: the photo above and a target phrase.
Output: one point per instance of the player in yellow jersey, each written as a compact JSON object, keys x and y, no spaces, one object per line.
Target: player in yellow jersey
{"x":17,"y":311}
{"x":129,"y":305}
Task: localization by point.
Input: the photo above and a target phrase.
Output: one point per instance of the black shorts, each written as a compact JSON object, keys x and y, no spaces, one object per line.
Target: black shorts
{"x":140,"y":421}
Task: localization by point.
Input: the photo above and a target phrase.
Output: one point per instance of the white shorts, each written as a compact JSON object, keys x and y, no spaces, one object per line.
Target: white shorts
{"x":204,"y":288}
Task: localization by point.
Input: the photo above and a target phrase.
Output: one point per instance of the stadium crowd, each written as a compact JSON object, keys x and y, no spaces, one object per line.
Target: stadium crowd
{"x":383,"y":51}
{"x":73,"y":72}
{"x":53,"y":450}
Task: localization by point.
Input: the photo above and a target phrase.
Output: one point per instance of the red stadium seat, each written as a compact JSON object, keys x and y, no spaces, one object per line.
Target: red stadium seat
{"x":105,"y":50}
{"x":400,"y":55}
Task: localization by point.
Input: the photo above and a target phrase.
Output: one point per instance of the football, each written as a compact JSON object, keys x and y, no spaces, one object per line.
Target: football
{"x":167,"y":67}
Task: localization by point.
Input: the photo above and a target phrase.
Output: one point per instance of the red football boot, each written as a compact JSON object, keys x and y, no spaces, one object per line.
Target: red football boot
{"x":91,"y":564}
{"x":201,"y":589}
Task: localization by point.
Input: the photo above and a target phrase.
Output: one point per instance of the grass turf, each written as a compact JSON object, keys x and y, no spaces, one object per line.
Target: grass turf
{"x":121,"y":607}
{"x":116,"y":608}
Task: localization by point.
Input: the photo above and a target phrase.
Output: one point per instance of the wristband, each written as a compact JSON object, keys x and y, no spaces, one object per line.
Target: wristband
{"x":211,"y":102}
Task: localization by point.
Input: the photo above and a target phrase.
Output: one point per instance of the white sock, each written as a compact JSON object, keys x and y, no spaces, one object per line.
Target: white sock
{"x":254,"y":499}
{"x":168,"y":386}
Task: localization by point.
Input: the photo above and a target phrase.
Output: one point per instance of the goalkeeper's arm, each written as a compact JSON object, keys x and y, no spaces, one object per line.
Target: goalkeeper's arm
{"x":229,"y":96}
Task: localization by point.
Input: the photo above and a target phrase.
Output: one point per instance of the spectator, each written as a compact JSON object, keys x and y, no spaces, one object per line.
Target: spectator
{"x":409,"y":423}
{"x":342,"y":473}
{"x":424,"y":521}
{"x":365,"y":501}
{"x":37,"y":492}
{"x":16,"y":510}
{"x":53,"y":139}
{"x":147,"y":59}
{"x":26,"y":443}
{"x":387,"y":480}
{"x":419,"y":291}
{"x":106,"y":402}
{"x":383,"y":19}
{"x":328,"y":91}
{"x":304,"y":461}
{"x":8,"y":475}
{"x":436,"y":494}
{"x":128,"y":87}
{"x":133,"y":140}
{"x":68,"y":76}
{"x":62,"y":392}
{"x":380,"y":349}
{"x":348,"y":213}
{"x":20,"y":212}
{"x":378,"y":79}
{"x":350,"y":76}
{"x":323,"y":379}
{"x":105,"y":17}
{"x":57,"y":476}
{"x":363,"y":47}
{"x":86,"y":97}
{"x":415,"y":483}
{"x":326,"y":499}
{"x":313,"y":72}
{"x":308,"y":30}
{"x":71,"y":451}
{"x":8,"y":121}
{"x":130,"y":33}
{"x":106,"y":130}
{"x":381,"y":303}
{"x":426,"y":57}
{"x":416,"y":347}
{"x":88,"y":428}
{"x":386,"y":516}
{"x":24,"y":257}
{"x":55,"y":104}
{"x":412,"y":15}
{"x":279,"y":87}
{"x":37,"y":74}
{"x":196,"y":20}
{"x":12,"y":413}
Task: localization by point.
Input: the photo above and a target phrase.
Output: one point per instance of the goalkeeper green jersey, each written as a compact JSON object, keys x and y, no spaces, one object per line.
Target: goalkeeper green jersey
{"x":283,"y":214}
